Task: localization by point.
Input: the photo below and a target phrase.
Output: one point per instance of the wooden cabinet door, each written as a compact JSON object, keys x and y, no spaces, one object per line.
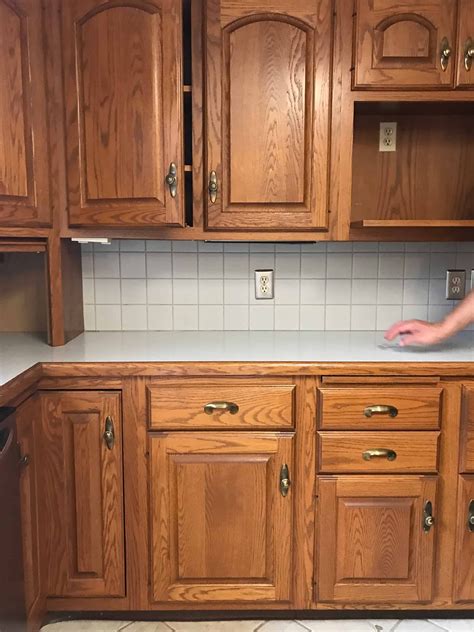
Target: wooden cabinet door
{"x":24,"y":157}
{"x":28,"y":423}
{"x":371,"y":542}
{"x":122,"y":65}
{"x":464,"y":573}
{"x":221,"y":530}
{"x":82,"y":511}
{"x":399,"y":43}
{"x":465,"y":49}
{"x":268,"y":82}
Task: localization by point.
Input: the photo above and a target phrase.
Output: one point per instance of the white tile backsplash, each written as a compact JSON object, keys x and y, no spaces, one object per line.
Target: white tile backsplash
{"x":164,"y":285}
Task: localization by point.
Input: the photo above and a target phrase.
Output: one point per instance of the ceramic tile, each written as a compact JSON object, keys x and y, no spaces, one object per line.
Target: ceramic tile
{"x":339,"y":265}
{"x":108,"y":317}
{"x":134,"y":318}
{"x":236,"y":266}
{"x":158,"y":245}
{"x":281,"y":626}
{"x":338,"y":317}
{"x":132,"y":265}
{"x":107,"y":291}
{"x":390,"y":292}
{"x":216,"y":626}
{"x":112,"y":246}
{"x":185,"y":317}
{"x":287,"y":291}
{"x":236,"y":317}
{"x":313,"y":266}
{"x":132,"y":245}
{"x":262,"y":317}
{"x":184,"y":246}
{"x":211,"y":317}
{"x":158,"y":265}
{"x":440,"y":262}
{"x":387,"y":315}
{"x":211,"y":265}
{"x":364,"y":291}
{"x":419,"y":312}
{"x":207,"y":246}
{"x":185,"y":291}
{"x":264,"y":261}
{"x":288,"y":266}
{"x":338,"y":292}
{"x":312,"y":318}
{"x":134,"y":291}
{"x":88,"y":292}
{"x":185,"y":265}
{"x":260,"y":246}
{"x":148,"y":626}
{"x":160,"y":317}
{"x":415,"y":625}
{"x":89,"y":318}
{"x":85,"y":626}
{"x":455,"y":625}
{"x":363,"y":317}
{"x":87,"y":265}
{"x":287,"y":317}
{"x":391,"y":265}
{"x":415,"y":292}
{"x":338,"y":625}
{"x":313,"y":291}
{"x":417,"y":266}
{"x":106,"y":266}
{"x":383,"y":625}
{"x":211,"y":291}
{"x":236,"y":291}
{"x":160,"y":291}
{"x":364,"y":266}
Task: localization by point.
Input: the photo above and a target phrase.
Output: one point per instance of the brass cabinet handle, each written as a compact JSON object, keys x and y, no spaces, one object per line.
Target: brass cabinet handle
{"x":285,"y":482}
{"x":24,"y":460}
{"x":172,"y":180}
{"x":468,"y":54}
{"x":428,"y":519}
{"x":470,"y":516}
{"x":379,"y":453}
{"x":381,"y":409}
{"x":109,"y":434}
{"x":213,"y":187}
{"x":228,"y":407}
{"x":445,"y":54}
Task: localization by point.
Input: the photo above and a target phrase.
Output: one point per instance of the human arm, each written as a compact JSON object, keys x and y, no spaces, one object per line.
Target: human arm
{"x":420,"y":332}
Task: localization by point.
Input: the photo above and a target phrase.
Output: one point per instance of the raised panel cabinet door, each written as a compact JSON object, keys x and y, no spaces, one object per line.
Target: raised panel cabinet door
{"x":268,"y":88}
{"x":405,"y":43}
{"x":28,"y":423}
{"x":123,"y":83}
{"x":24,"y":150}
{"x":465,"y":50}
{"x":464,"y":573}
{"x":466,"y":463}
{"x":82,"y":483}
{"x":374,"y":543}
{"x":221,"y":528}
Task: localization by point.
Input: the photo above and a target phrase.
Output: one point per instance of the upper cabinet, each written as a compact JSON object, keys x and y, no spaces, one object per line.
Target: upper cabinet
{"x":24,"y":164}
{"x":122,"y":73}
{"x":268,"y":88}
{"x":406,"y":43}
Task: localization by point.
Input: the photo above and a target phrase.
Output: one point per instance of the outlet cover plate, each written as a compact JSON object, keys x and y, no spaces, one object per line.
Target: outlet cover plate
{"x":264,"y":284}
{"x":455,"y":285}
{"x":388,"y":137}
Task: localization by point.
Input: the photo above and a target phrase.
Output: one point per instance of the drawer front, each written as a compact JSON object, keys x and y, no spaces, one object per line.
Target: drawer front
{"x":226,"y":404}
{"x":379,"y":408}
{"x":378,"y":452}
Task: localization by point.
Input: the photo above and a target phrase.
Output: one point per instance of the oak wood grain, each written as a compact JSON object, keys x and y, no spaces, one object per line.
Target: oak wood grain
{"x":418,"y":407}
{"x":179,"y":404}
{"x":464,"y":577}
{"x":467,"y":429}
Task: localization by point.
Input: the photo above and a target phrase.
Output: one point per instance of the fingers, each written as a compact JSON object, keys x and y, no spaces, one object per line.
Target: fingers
{"x":403,"y":326}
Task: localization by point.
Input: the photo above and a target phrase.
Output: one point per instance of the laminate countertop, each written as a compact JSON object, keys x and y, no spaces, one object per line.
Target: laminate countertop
{"x":19,"y":352}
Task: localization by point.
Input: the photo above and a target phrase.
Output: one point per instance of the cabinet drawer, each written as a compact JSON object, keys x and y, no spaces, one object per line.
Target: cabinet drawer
{"x":221,"y":404}
{"x":379,"y":408}
{"x":378,"y":452}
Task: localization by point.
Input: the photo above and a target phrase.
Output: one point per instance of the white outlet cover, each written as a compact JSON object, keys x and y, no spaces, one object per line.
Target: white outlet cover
{"x":388,"y":137}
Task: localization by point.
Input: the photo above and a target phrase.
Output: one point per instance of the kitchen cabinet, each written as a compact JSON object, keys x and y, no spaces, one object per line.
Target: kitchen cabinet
{"x":221,"y":516}
{"x":267,"y":110}
{"x":375,"y":542}
{"x":24,"y":150}
{"x":414,"y":44}
{"x":28,"y":427}
{"x":464,"y":576}
{"x":81,"y":513}
{"x":124,"y":102}
{"x":465,"y":68}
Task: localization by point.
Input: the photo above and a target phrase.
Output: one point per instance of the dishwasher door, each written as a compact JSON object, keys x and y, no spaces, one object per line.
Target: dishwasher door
{"x":12,"y":596}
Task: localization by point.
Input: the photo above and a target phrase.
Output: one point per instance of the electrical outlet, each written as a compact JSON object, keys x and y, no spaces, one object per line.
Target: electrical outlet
{"x":388,"y":137}
{"x":263,"y":284}
{"x":455,"y":284}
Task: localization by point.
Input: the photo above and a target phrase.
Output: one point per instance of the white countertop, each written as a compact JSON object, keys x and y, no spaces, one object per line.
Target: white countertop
{"x":19,"y":352}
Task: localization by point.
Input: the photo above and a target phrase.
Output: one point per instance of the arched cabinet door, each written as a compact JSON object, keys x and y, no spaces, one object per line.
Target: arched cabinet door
{"x":122,"y":74}
{"x":268,"y":78}
{"x":24,"y":158}
{"x":405,"y":44}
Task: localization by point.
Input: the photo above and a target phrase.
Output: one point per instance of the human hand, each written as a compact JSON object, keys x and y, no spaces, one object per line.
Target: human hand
{"x":416,"y":332}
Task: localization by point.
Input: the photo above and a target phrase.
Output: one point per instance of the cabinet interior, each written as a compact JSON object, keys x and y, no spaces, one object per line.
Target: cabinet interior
{"x":429,"y":178}
{"x":24,"y":304}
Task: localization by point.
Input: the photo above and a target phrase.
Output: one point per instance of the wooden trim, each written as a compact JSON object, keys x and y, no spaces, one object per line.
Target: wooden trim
{"x":413,"y":223}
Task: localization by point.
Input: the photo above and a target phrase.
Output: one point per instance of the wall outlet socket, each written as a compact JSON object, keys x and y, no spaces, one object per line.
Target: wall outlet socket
{"x":263,"y":284}
{"x":455,"y":284}
{"x":388,"y":137}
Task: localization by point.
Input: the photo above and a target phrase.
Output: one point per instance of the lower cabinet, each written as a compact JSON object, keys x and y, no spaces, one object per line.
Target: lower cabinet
{"x":464,"y":575}
{"x":375,"y":538}
{"x":81,"y":512}
{"x":221,"y":516}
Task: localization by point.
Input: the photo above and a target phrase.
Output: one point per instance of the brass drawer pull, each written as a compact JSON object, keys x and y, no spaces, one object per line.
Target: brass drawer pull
{"x":445,"y":54}
{"x":109,"y":433}
{"x":228,"y":407}
{"x":428,"y":519}
{"x":172,"y":180}
{"x":213,"y":187}
{"x":381,"y":409}
{"x":284,"y":480}
{"x":470,"y":517}
{"x":379,"y":453}
{"x":468,"y":54}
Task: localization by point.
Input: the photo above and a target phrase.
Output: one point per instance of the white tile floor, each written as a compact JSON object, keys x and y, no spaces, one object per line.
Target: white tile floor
{"x":372,"y":625}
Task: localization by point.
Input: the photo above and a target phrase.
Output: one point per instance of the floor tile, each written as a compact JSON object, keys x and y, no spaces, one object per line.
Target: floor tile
{"x":281,"y":626}
{"x":147,"y":626}
{"x":85,"y":626}
{"x":339,"y":625}
{"x":415,"y":625}
{"x":455,"y":625}
{"x":214,"y":626}
{"x":383,"y":625}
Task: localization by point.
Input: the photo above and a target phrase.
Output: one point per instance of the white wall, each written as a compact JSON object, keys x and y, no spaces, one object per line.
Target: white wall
{"x":162,"y":285}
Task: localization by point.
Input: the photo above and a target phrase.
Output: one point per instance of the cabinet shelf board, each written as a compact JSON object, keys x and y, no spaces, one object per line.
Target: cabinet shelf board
{"x":413,"y":223}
